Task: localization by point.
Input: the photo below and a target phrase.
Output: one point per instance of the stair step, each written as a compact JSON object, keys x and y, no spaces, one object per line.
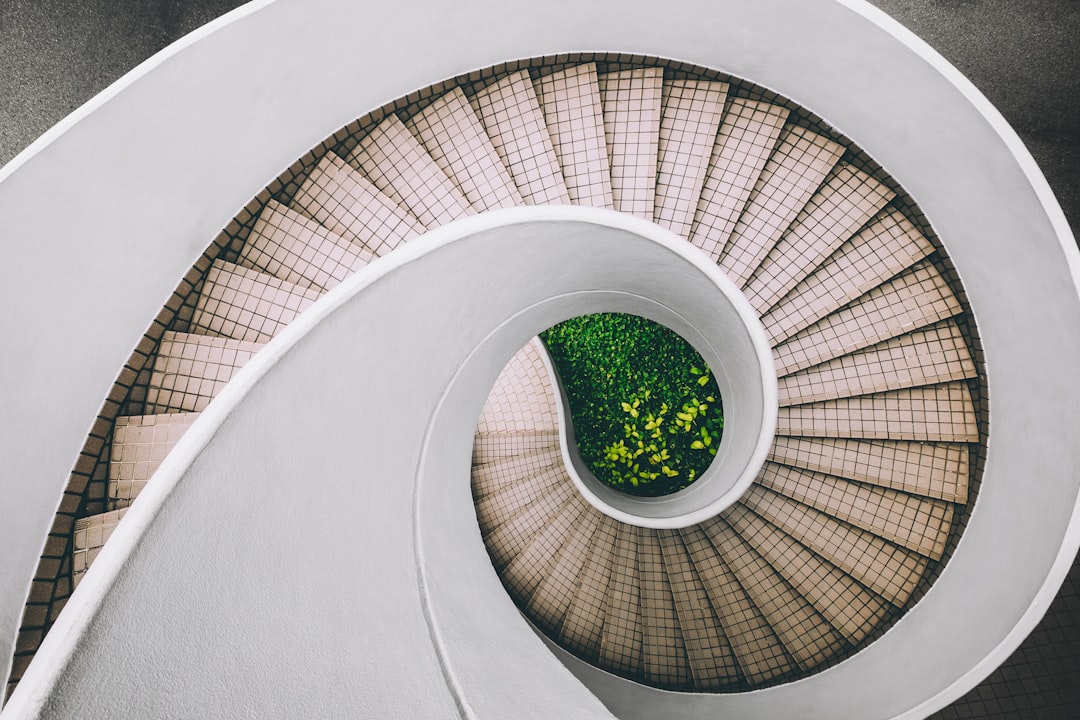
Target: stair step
{"x":299,"y":250}
{"x":454,"y":137}
{"x":689,"y":121}
{"x":846,"y":202}
{"x":937,"y":470}
{"x":399,"y":166}
{"x":581,"y":629}
{"x":932,"y":413}
{"x":570,"y":100}
{"x":914,"y":522}
{"x":495,"y":476}
{"x":932,"y":355}
{"x":663,"y":646}
{"x":749,"y":644}
{"x":850,"y":608}
{"x":744,"y":142}
{"x":914,"y":299}
{"x":502,"y":506}
{"x":795,"y":170}
{"x":348,"y":204}
{"x":621,"y":639}
{"x":248,"y":305}
{"x":807,"y":637}
{"x":532,"y":565}
{"x":880,"y":251}
{"x":492,"y":447}
{"x":507,"y":540}
{"x":522,"y":398}
{"x":90,"y":536}
{"x":511,"y":115}
{"x":190,"y":370}
{"x":139,"y":444}
{"x":551,"y":601}
{"x":631,"y":103}
{"x":889,"y":570}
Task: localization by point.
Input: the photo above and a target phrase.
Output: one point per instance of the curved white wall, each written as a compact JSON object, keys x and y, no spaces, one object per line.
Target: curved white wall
{"x":212,"y":121}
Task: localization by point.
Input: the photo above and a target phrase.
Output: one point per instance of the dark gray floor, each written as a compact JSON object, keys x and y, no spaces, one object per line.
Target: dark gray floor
{"x":57,"y":54}
{"x":1023,"y":54}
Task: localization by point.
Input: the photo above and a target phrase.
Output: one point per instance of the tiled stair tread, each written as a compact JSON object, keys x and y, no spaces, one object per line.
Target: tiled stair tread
{"x":511,"y":115}
{"x":929,"y":356}
{"x":581,"y":629}
{"x":798,"y":165}
{"x":190,"y":370}
{"x":522,"y":397}
{"x":663,"y":647}
{"x":501,"y":506}
{"x":914,"y":299}
{"x":745,"y":632}
{"x":454,"y":137}
{"x":511,"y":537}
{"x":846,"y":202}
{"x":708,"y":651}
{"x":931,"y":413}
{"x":245,"y":304}
{"x":551,"y":601}
{"x":621,"y":638}
{"x":528,"y":569}
{"x":744,"y":142}
{"x":494,"y":446}
{"x":299,"y":250}
{"x":495,"y":476}
{"x":917,"y":523}
{"x":887,"y":569}
{"x":570,"y":100}
{"x":139,"y":444}
{"x":631,"y":103}
{"x":349,"y":204}
{"x":689,"y":121}
{"x":937,"y":470}
{"x":806,"y":636}
{"x":849,"y":607}
{"x":89,"y":537}
{"x":399,"y":166}
{"x":878,"y":252}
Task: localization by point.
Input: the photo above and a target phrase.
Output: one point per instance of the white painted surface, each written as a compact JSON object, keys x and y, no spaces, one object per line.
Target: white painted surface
{"x":211,"y":122}
{"x":702,"y":305}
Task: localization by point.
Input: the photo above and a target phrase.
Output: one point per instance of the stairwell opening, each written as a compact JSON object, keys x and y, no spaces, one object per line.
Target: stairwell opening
{"x":645,"y":410}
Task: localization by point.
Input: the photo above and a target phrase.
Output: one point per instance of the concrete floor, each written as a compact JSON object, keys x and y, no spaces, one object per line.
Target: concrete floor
{"x":1022,"y":54}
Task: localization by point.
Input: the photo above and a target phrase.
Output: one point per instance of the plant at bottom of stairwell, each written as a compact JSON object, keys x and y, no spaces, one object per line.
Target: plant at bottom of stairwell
{"x":645,"y":408}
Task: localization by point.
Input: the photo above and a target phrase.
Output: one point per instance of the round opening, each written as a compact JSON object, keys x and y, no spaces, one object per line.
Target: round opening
{"x":646,"y":411}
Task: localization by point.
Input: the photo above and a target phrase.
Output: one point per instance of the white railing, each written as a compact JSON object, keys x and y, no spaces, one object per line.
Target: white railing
{"x":102,"y":217}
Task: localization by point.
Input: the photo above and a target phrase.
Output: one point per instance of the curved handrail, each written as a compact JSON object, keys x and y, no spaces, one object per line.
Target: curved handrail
{"x":267,"y":107}
{"x":325,"y":372}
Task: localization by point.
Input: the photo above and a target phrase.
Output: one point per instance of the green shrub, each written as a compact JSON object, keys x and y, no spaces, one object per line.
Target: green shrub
{"x":646,"y":411}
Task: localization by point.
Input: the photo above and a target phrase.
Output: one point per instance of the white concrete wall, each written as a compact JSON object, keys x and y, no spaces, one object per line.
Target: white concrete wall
{"x":101,"y":218}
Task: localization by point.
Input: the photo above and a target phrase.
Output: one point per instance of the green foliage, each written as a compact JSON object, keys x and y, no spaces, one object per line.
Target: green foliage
{"x":646,"y":410}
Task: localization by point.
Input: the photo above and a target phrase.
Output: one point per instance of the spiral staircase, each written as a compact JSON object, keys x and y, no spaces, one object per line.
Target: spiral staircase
{"x":882,"y":428}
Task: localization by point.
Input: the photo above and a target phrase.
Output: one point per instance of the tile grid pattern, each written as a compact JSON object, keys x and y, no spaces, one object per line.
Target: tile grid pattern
{"x":570,"y":100}
{"x":918,"y":297}
{"x":399,"y":166}
{"x":248,"y":305}
{"x":241,"y":226}
{"x":140,"y":443}
{"x":631,"y":107}
{"x":300,"y":251}
{"x":743,"y":144}
{"x":512,"y":118}
{"x":690,"y":119}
